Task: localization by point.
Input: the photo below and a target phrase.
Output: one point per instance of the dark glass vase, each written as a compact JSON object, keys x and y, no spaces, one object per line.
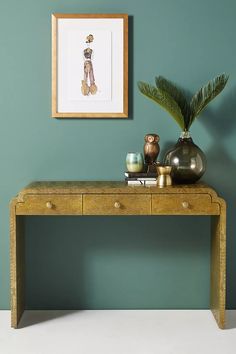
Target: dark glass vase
{"x":187,"y":160}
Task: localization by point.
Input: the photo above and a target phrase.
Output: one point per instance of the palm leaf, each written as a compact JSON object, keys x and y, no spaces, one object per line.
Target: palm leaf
{"x":206,"y":94}
{"x":178,"y":95}
{"x":164,"y":99}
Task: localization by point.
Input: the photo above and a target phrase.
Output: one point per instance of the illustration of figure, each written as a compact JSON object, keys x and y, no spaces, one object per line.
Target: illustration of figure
{"x":88,"y":83}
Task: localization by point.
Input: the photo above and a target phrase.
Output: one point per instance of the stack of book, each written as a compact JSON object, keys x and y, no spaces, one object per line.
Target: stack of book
{"x":141,"y":178}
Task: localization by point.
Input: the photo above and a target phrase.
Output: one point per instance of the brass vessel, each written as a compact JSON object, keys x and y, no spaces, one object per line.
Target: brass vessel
{"x":164,"y":177}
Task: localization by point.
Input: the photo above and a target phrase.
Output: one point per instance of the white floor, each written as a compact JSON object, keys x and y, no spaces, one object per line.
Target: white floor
{"x":118,"y":332}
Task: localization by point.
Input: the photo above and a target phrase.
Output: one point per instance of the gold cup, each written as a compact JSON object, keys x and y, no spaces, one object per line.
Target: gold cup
{"x":164,"y":178}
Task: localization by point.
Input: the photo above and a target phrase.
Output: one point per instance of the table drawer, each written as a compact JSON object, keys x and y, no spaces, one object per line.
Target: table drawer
{"x":116,"y":204}
{"x":184,"y":204}
{"x":50,"y":205}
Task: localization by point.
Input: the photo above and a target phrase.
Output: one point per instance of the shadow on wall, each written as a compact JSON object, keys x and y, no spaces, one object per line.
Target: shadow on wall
{"x":131,"y":67}
{"x":221,"y":174}
{"x":117,"y":262}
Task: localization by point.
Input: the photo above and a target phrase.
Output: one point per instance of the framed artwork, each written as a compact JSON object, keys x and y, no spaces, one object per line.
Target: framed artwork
{"x":89,"y":65}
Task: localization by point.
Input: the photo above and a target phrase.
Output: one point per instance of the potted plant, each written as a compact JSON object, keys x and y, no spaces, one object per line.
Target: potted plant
{"x":187,"y":159}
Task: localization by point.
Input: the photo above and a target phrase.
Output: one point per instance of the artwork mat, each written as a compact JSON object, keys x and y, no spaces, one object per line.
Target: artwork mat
{"x":55,"y":112}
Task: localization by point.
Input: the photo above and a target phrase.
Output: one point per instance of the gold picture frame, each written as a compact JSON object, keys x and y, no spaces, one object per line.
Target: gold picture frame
{"x":112,"y":99}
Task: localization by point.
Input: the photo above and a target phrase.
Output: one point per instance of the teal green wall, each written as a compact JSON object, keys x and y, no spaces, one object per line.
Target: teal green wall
{"x":117,"y":262}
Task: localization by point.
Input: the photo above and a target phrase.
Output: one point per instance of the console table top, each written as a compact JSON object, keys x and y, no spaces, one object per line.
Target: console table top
{"x":104,"y":187}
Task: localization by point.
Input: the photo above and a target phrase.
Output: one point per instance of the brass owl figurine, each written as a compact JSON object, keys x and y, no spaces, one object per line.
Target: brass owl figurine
{"x":151,"y":148}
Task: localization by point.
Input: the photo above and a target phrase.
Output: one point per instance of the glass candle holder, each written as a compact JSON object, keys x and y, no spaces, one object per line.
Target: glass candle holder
{"x":134,"y":162}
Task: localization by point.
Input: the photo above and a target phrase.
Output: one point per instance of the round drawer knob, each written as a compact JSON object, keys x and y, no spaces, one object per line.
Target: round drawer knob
{"x":49,"y":205}
{"x":185,"y":205}
{"x":117,"y":205}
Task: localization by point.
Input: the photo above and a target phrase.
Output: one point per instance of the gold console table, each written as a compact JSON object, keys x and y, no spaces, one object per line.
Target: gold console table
{"x":117,"y":198}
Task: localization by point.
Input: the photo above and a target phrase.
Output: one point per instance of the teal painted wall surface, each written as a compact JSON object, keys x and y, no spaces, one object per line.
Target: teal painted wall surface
{"x":132,"y":262}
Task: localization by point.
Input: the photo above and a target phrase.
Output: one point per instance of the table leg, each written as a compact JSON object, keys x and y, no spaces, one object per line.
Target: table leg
{"x":17,"y":266}
{"x":218,"y":265}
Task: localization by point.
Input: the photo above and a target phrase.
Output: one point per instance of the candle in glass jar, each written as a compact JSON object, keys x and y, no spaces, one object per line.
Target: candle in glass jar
{"x":134,"y":162}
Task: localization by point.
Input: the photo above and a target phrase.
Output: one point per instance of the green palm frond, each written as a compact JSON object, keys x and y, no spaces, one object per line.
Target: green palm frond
{"x":177,"y":94}
{"x":206,"y":94}
{"x":173,"y":100}
{"x":164,"y":99}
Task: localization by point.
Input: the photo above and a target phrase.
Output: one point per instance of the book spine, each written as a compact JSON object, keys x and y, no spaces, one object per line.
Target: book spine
{"x":140,"y":175}
{"x":140,"y":179}
{"x":141,"y":183}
